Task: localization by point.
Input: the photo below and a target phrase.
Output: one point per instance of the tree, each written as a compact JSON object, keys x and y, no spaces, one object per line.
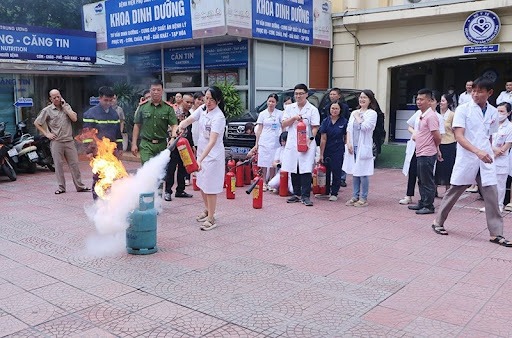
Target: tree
{"x":66,"y":14}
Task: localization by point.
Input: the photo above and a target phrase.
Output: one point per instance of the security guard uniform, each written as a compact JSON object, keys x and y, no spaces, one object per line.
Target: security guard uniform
{"x":154,"y":121}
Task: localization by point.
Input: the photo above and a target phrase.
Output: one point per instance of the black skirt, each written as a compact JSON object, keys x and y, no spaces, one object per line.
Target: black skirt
{"x":444,"y":168}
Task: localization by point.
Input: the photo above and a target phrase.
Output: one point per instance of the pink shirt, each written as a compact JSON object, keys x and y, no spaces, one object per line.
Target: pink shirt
{"x":425,"y":145}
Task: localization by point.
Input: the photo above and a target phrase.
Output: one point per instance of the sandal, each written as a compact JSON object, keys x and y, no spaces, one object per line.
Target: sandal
{"x":439,"y":229}
{"x":84,"y":190}
{"x":202,"y":216}
{"x":209,"y":224}
{"x":501,"y":241}
{"x":58,"y":192}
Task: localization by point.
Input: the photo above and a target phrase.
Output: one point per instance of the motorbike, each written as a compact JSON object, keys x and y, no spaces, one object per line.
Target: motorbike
{"x":27,"y":156}
{"x":6,"y":153}
{"x":43,"y":151}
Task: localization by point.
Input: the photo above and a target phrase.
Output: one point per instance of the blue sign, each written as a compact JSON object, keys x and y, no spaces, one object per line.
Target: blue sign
{"x":482,"y":27}
{"x":23,"y":102}
{"x":476,"y":49}
{"x":94,"y":101}
{"x":141,"y":22}
{"x":289,"y":20}
{"x":183,"y":58}
{"x":146,"y":62}
{"x":226,"y":55}
{"x":40,"y":43}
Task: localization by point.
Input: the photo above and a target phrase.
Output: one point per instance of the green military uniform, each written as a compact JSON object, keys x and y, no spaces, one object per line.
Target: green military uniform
{"x":154,"y":121}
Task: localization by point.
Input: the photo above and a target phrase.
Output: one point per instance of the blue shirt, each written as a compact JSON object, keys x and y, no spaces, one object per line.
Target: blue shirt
{"x":106,"y":122}
{"x":335,"y":135}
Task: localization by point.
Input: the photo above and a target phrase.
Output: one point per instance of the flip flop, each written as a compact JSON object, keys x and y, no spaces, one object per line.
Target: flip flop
{"x":439,"y":229}
{"x":501,"y":241}
{"x":58,"y":192}
{"x":85,"y":190}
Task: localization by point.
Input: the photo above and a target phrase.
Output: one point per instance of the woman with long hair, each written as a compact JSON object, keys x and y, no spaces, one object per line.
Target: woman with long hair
{"x":448,"y":146}
{"x":210,"y":152}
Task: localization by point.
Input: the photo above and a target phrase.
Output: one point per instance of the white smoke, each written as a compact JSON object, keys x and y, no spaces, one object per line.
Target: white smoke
{"x":111,"y":216}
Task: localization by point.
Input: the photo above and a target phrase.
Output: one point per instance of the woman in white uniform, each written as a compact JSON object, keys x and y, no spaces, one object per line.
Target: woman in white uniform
{"x":267,"y":137}
{"x":210,"y":152}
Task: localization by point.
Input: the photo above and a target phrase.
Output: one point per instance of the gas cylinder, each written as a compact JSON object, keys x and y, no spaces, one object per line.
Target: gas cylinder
{"x":239,"y":174}
{"x":141,"y":233}
{"x":187,"y":155}
{"x":283,"y":183}
{"x":230,"y":189}
{"x":302,"y":137}
{"x":319,"y":179}
{"x":247,"y":173}
{"x":194,"y":182}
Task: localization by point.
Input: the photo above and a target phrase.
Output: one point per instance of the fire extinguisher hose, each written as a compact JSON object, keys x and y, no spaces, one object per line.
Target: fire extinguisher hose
{"x":253,"y":185}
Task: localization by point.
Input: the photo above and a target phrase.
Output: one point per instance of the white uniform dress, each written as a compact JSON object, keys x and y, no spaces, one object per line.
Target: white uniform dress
{"x":269,"y":138}
{"x":478,"y":130}
{"x":361,"y":166}
{"x":504,"y":135}
{"x":210,"y":179}
{"x":291,"y":156}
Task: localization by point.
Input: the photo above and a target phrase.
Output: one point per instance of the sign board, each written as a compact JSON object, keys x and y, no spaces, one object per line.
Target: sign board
{"x":94,"y":101}
{"x":142,"y":22}
{"x":226,"y":55}
{"x":23,"y":102}
{"x":93,"y":20}
{"x":145,"y":62}
{"x":322,"y":23}
{"x":208,"y":18}
{"x":482,"y":27}
{"x":182,"y":58}
{"x":476,"y":49}
{"x":40,"y":43}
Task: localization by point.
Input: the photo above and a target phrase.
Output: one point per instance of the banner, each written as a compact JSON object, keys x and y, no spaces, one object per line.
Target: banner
{"x":322,"y":23}
{"x":182,"y":58}
{"x":226,"y":55}
{"x":142,"y":22}
{"x":47,"y":44}
{"x":93,"y":20}
{"x":208,"y":18}
{"x":239,"y":18}
{"x":285,"y":20}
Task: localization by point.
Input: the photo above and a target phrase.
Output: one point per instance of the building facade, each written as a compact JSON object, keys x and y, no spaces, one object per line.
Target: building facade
{"x":397,"y":47}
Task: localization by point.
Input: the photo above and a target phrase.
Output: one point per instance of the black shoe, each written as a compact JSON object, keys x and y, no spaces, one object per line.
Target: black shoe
{"x":293,"y":199}
{"x":182,"y":194}
{"x":343,"y":183}
{"x":307,"y":202}
{"x":415,"y":207}
{"x":424,"y":211}
{"x":168,"y":196}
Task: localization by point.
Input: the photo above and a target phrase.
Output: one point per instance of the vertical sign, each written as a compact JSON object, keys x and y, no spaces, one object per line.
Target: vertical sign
{"x":93,"y":20}
{"x":208,"y":18}
{"x":322,"y":23}
{"x":239,"y":18}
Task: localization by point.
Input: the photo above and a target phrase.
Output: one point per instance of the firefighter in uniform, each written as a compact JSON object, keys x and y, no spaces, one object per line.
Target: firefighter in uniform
{"x":105,"y":119}
{"x":155,"y":121}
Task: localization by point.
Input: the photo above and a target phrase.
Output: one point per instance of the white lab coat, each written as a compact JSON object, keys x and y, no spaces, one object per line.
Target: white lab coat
{"x":504,"y":135}
{"x":478,"y":130}
{"x":269,"y":137}
{"x":291,"y":156}
{"x":504,"y":97}
{"x":360,"y":167}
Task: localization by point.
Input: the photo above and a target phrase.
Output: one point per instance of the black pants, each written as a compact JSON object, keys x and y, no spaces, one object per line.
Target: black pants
{"x":426,"y":180}
{"x":174,"y":163}
{"x":412,"y":176}
{"x":301,"y":184}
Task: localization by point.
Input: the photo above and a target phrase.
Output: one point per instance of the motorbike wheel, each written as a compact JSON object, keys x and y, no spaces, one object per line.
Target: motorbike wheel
{"x":31,"y":168}
{"x":9,"y":171}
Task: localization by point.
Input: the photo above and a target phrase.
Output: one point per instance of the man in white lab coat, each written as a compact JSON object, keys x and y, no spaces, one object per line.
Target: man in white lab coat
{"x":473,"y":125}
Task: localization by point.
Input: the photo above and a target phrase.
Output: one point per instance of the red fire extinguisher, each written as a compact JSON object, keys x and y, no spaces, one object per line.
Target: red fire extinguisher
{"x":187,"y":155}
{"x":247,"y":173}
{"x":239,"y":174}
{"x":319,"y":179}
{"x":230,"y":188}
{"x":231,"y":167}
{"x":302,"y":137}
{"x":254,"y":166}
{"x":194,"y":182}
{"x":257,"y":192}
{"x":283,"y":183}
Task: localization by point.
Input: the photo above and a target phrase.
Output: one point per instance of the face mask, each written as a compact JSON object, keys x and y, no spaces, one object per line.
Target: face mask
{"x":503,"y":117}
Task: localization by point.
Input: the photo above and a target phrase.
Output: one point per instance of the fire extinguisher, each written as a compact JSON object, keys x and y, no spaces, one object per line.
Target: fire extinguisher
{"x":247,"y":173}
{"x":187,"y":155}
{"x":231,"y":167}
{"x":319,"y":179}
{"x":302,"y":137}
{"x":254,"y":166}
{"x":194,"y":182}
{"x":283,"y":183}
{"x":257,"y":192}
{"x":239,"y":174}
{"x":230,"y":188}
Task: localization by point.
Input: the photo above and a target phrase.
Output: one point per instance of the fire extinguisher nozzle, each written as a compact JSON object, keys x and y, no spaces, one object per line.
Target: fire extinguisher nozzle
{"x":252,"y":186}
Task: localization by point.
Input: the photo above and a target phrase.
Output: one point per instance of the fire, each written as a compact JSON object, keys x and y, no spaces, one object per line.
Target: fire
{"x":108,"y":167}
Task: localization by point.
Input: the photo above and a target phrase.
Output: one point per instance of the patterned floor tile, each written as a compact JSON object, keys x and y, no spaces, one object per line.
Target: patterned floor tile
{"x":64,"y":326}
{"x":131,"y":325}
{"x":196,"y":324}
{"x":10,"y":325}
{"x":39,"y":313}
{"x":135,"y":301}
{"x":102,"y":313}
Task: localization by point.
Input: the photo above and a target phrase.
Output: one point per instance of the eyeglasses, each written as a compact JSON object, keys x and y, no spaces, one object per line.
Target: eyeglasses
{"x":299,"y":93}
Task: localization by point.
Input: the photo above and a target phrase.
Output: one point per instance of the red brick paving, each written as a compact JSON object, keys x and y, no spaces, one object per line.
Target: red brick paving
{"x":282,"y":271}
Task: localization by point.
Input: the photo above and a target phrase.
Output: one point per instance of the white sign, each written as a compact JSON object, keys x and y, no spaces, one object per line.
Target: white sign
{"x":322,"y":23}
{"x":208,"y":18}
{"x":94,"y":21}
{"x":239,"y":18}
{"x":482,"y":27}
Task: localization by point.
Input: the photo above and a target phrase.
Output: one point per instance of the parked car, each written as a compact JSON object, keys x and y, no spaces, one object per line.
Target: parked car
{"x":237,"y":142}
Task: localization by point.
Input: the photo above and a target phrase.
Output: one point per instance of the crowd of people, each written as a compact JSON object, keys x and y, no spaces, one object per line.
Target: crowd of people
{"x":455,"y":144}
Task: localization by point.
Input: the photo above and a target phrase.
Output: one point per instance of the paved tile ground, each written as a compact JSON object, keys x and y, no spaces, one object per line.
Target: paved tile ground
{"x":282,"y":271}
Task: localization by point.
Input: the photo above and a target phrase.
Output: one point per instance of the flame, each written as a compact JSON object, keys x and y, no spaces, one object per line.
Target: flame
{"x":108,"y":167}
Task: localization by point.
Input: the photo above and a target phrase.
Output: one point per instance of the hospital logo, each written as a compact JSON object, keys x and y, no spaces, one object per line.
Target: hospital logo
{"x":482,"y":27}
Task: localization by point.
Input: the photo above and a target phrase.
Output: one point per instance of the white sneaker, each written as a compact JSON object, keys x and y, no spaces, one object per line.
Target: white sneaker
{"x":187,"y":182}
{"x":406,"y":200}
{"x":333,"y":198}
{"x":508,"y":207}
{"x":482,"y":209}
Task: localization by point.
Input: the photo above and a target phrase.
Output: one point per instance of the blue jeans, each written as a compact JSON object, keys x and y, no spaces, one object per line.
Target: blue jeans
{"x":360,"y":186}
